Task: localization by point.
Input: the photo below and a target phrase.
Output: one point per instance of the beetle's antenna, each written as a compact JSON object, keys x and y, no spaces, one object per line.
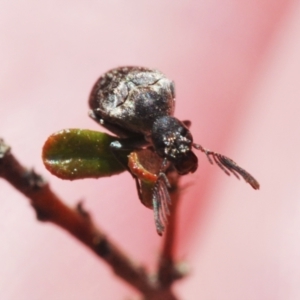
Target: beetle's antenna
{"x":164,"y":184}
{"x":160,"y":202}
{"x":228,"y":166}
{"x":156,"y":203}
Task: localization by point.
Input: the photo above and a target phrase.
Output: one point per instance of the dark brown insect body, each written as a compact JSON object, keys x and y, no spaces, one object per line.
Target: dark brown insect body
{"x":137,"y":104}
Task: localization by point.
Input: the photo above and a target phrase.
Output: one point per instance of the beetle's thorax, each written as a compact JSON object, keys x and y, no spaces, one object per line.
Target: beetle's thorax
{"x":176,"y":144}
{"x":172,"y":139}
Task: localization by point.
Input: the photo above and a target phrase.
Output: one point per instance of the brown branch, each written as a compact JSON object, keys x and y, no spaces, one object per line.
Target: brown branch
{"x":49,"y":207}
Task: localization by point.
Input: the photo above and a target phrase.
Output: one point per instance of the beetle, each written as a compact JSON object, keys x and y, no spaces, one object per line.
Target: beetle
{"x":137,"y":105}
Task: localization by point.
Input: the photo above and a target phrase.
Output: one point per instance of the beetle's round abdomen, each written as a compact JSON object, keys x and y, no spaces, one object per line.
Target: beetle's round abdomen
{"x":133,"y":98}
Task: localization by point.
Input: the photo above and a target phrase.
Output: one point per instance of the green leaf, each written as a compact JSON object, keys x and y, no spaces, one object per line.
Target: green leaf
{"x":79,"y":153}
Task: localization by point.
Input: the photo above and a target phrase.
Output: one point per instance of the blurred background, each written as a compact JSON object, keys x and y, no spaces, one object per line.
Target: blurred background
{"x":236,"y":65}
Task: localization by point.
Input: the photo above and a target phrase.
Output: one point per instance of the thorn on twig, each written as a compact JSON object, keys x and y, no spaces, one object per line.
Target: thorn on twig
{"x":34,"y":180}
{"x":41,"y":215}
{"x":171,"y":271}
{"x":4,"y":148}
{"x":181,"y":270}
{"x":82,"y":211}
{"x":102,"y":246}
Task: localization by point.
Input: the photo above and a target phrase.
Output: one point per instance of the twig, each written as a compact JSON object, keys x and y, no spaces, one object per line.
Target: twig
{"x":77,"y":222}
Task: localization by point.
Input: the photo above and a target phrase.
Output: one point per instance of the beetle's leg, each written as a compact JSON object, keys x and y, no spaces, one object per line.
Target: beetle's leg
{"x":139,"y":188}
{"x":118,"y":148}
{"x":228,"y":166}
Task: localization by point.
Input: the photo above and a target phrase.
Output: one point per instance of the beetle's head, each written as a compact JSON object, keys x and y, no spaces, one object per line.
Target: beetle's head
{"x":173,"y":140}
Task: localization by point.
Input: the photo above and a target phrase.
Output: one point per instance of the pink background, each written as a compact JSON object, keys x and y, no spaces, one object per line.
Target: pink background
{"x":236,"y":64}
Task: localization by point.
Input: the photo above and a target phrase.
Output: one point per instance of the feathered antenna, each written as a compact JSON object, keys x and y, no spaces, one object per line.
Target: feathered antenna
{"x":161,"y":201}
{"x":228,"y":166}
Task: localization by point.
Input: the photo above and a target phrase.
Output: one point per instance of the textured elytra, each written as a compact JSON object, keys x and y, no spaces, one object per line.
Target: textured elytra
{"x":132,"y":98}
